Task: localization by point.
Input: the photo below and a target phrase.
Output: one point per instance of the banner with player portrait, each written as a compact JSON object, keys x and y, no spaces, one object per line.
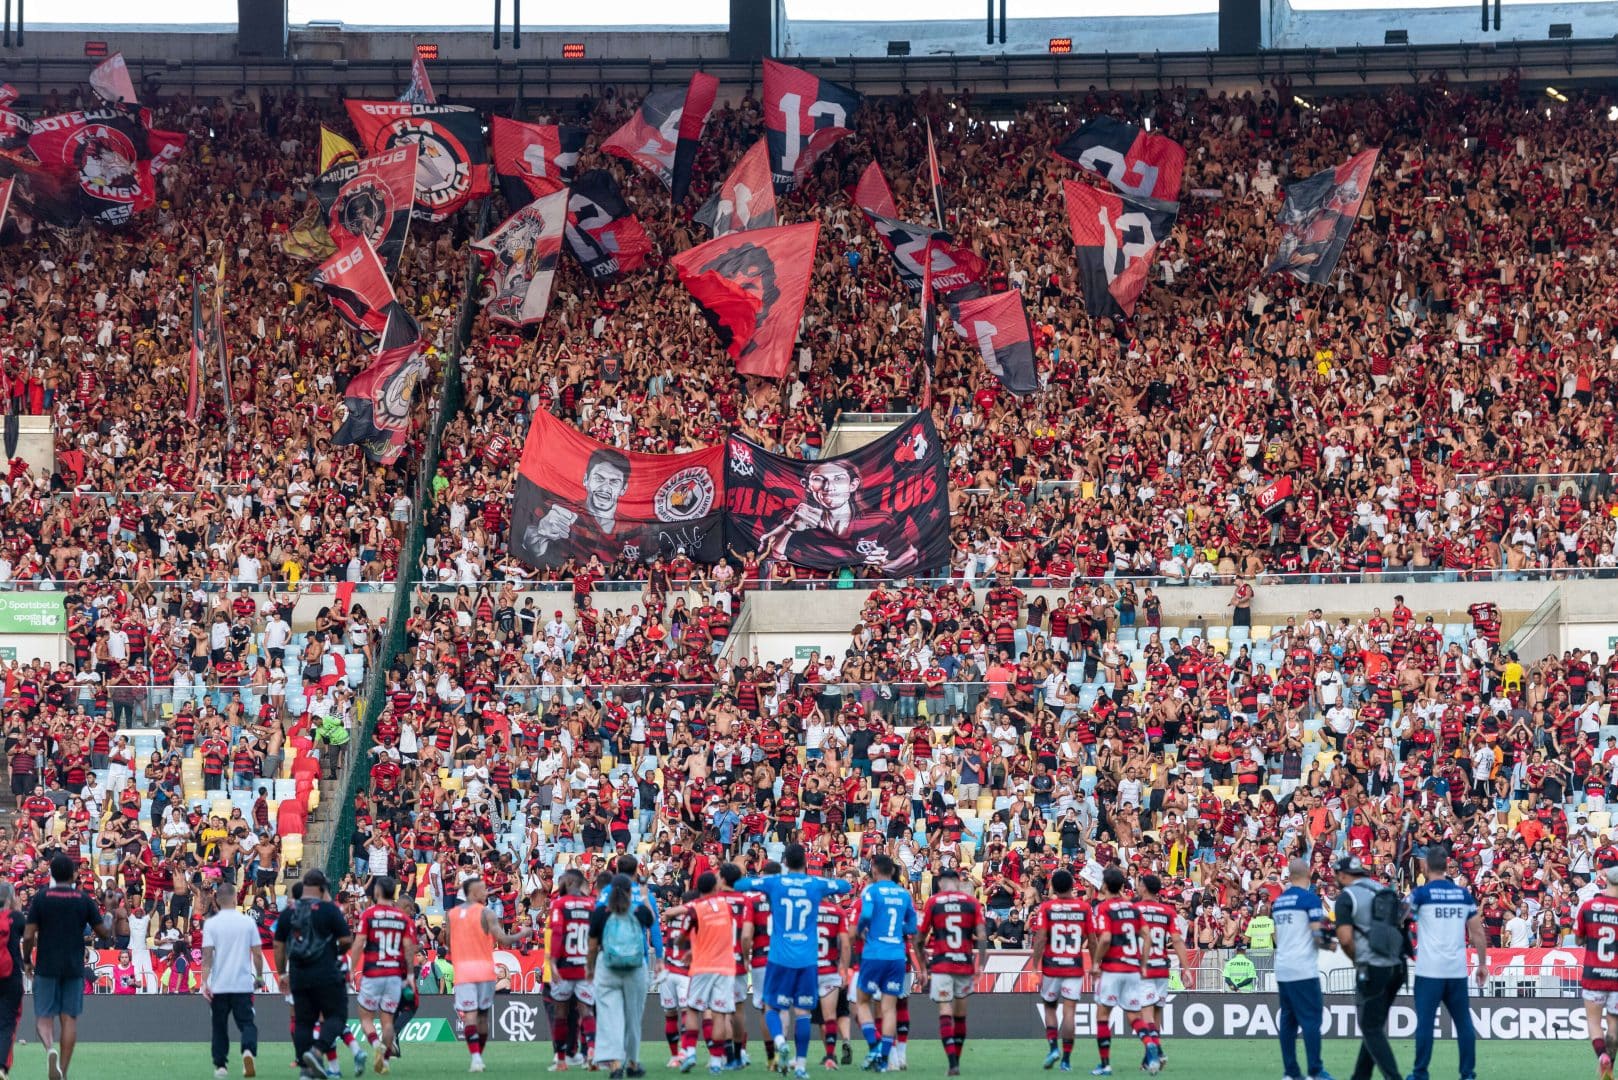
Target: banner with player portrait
{"x":1317,"y":215}
{"x":885,"y":506}
{"x":578,"y":498}
{"x":452,"y":162}
{"x":751,"y":287}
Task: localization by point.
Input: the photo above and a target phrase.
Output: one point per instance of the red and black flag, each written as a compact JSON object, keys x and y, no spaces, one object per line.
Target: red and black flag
{"x":1316,"y":217}
{"x":533,"y":160}
{"x":199,"y":349}
{"x":885,"y":506}
{"x":803,"y":117}
{"x":6,"y":188}
{"x":1133,"y":161}
{"x":371,"y":200}
{"x":420,"y":90}
{"x":602,"y":234}
{"x":751,"y":287}
{"x":746,"y":200}
{"x":578,"y":498}
{"x":378,"y":401}
{"x":873,"y":195}
{"x":1116,"y":236}
{"x":99,"y":159}
{"x":699,"y":99}
{"x":521,"y":258}
{"x":999,"y":325}
{"x":357,"y":285}
{"x":667,"y":125}
{"x":917,"y":248}
{"x":15,"y":128}
{"x":452,"y":158}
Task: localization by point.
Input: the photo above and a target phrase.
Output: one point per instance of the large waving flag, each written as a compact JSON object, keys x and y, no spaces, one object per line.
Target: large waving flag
{"x":521,"y":256}
{"x":917,"y":250}
{"x":1133,"y":161}
{"x":378,"y":401}
{"x":1317,"y":215}
{"x":751,"y":287}
{"x":372,"y":200}
{"x":533,"y":160}
{"x":357,"y":285}
{"x":98,"y":163}
{"x":998,"y":324}
{"x":451,"y":166}
{"x":746,"y":200}
{"x":1116,"y":236}
{"x":666,"y":121}
{"x":602,"y":234}
{"x":803,"y":117}
{"x":199,"y":346}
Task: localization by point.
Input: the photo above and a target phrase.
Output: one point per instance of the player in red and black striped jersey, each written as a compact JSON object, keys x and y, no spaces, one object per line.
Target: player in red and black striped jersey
{"x":1158,"y":928}
{"x":1117,"y":953}
{"x":676,"y":980}
{"x":832,"y":929}
{"x":956,"y":937}
{"x":760,"y":957}
{"x":743,"y":911}
{"x":572,"y":993}
{"x":1597,"y":928}
{"x":1061,"y":931}
{"x":384,"y":951}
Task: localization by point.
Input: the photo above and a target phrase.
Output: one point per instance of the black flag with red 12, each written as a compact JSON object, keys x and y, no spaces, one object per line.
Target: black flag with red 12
{"x":602,"y":233}
{"x":999,"y":326}
{"x":1133,"y":161}
{"x":533,"y":160}
{"x":1116,"y":236}
{"x":803,"y":117}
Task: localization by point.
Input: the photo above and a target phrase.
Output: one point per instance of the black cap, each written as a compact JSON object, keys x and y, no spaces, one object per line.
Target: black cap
{"x":1351,"y":864}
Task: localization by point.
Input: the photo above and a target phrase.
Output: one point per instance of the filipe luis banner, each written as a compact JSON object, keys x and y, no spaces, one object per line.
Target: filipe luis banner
{"x":886,"y":505}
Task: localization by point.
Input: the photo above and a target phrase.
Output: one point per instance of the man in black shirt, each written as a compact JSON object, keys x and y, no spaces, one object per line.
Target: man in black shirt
{"x":311,"y":937}
{"x":57,"y":919}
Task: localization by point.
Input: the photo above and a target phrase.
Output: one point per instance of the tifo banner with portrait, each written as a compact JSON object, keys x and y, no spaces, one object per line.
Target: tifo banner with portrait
{"x":886,"y":505}
{"x":577,"y":497}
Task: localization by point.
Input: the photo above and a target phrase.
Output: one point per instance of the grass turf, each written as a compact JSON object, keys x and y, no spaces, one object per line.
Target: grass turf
{"x":1193,"y":1059}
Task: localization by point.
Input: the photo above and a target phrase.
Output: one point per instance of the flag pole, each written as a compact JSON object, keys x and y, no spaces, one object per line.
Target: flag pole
{"x":932,"y":175}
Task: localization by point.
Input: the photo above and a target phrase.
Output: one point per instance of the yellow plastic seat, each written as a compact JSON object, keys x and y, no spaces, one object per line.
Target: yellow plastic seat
{"x":1261,"y":633}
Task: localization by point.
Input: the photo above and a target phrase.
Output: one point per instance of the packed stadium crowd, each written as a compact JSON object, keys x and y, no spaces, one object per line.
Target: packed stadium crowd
{"x":973,"y":727}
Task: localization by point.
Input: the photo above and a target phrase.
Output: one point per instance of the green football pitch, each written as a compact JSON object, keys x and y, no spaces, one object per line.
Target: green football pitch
{"x":1193,"y":1059}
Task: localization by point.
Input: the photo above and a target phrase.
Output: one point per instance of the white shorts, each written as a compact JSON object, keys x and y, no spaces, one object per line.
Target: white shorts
{"x":946,"y":988}
{"x":711,"y":993}
{"x":1121,"y":989}
{"x":1053,"y":987}
{"x":1154,"y":991}
{"x":474,"y":996}
{"x":568,"y":989}
{"x":756,"y":995}
{"x":830,"y":984}
{"x":1607,"y":999}
{"x":380,"y":993}
{"x":672,"y":991}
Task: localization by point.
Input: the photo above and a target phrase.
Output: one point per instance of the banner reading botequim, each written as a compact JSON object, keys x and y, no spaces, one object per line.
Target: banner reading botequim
{"x":886,"y":505}
{"x":577,"y":497}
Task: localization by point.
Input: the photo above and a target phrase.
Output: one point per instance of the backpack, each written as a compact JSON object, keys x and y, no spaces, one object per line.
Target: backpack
{"x":623,"y":943}
{"x":1383,"y":942}
{"x":7,"y":967}
{"x":306,"y":945}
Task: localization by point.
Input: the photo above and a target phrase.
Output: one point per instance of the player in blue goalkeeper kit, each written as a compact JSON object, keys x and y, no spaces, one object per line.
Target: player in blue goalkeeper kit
{"x":887,"y":924}
{"x":791,"y":978}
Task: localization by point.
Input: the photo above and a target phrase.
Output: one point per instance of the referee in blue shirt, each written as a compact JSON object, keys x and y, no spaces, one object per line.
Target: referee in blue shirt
{"x":1300,"y":925}
{"x":1447,"y":920}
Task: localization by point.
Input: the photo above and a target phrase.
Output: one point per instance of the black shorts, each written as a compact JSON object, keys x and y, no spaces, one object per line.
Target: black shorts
{"x":265,"y":878}
{"x":22,"y":783}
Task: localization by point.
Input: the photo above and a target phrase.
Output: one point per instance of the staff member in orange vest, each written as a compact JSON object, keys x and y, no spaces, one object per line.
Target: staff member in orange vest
{"x":473,"y":932}
{"x":710,"y":1000}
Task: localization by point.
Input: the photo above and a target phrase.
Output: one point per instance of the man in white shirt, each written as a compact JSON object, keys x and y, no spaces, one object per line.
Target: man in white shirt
{"x":1519,"y":931}
{"x":232,"y":968}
